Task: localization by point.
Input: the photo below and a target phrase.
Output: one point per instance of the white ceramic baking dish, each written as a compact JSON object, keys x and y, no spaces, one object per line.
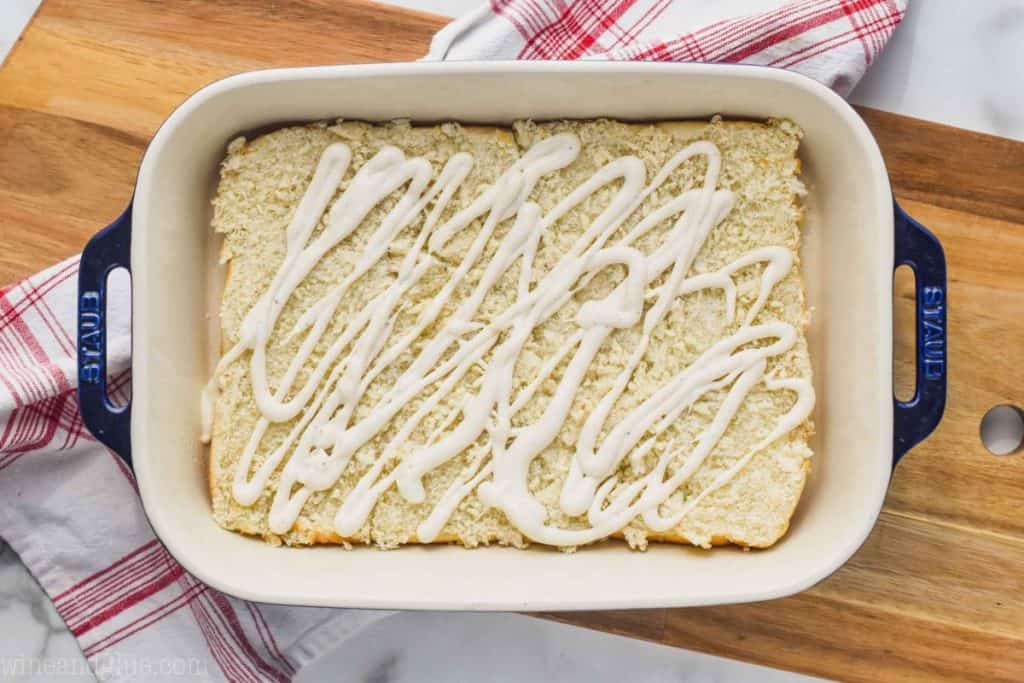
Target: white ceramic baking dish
{"x":853,"y":241}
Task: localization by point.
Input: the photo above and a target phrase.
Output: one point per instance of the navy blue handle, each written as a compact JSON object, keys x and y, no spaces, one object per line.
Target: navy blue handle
{"x":915,"y":419}
{"x":109,"y":249}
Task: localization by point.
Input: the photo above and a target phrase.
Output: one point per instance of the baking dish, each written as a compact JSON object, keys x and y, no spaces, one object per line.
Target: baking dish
{"x":855,"y":235}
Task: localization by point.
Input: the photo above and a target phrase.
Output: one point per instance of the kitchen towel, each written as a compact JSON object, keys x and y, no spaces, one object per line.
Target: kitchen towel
{"x":68,"y":506}
{"x":832,"y":41}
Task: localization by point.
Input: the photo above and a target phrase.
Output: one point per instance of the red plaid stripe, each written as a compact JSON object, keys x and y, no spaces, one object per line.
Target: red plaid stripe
{"x":646,"y":19}
{"x":165,"y":609}
{"x":227,"y":620}
{"x":731,"y":34}
{"x":788,"y":36}
{"x":116,"y":587}
{"x":577,"y":28}
{"x":65,"y":600}
{"x":36,"y":290}
{"x":146,"y":582}
{"x":871,"y":34}
{"x":38,"y":425}
{"x":765,"y":40}
{"x":39,"y":417}
{"x":528,"y":16}
{"x":267,"y":636}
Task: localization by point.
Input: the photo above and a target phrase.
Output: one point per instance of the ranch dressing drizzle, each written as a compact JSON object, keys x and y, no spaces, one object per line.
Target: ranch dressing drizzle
{"x":325,"y":438}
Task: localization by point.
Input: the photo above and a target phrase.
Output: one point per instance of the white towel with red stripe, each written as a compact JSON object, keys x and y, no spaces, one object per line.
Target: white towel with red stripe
{"x":832,"y":41}
{"x":68,"y":506}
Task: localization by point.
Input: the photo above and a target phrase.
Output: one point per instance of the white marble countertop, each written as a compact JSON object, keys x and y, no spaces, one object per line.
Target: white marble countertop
{"x":958,"y":62}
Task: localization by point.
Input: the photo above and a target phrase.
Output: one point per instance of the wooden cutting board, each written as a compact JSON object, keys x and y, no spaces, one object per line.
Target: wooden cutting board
{"x":936,"y":593}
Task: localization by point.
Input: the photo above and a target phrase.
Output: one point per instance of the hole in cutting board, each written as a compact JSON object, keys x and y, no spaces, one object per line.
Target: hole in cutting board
{"x":1002,"y":429}
{"x":904,"y":371}
{"x":118,"y":318}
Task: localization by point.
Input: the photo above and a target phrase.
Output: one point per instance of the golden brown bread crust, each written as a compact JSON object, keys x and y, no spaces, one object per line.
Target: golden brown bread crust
{"x":321,"y":537}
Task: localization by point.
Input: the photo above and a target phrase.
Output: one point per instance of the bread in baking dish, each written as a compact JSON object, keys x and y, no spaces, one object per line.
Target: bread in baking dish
{"x":553,"y":333}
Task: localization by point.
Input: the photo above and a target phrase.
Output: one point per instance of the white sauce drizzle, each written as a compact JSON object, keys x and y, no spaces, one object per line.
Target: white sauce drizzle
{"x":325,"y":438}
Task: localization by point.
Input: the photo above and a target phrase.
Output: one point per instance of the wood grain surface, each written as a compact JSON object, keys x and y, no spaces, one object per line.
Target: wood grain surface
{"x":936,"y":593}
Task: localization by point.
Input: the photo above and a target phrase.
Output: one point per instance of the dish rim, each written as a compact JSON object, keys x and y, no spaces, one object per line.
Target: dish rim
{"x":146,"y":184}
